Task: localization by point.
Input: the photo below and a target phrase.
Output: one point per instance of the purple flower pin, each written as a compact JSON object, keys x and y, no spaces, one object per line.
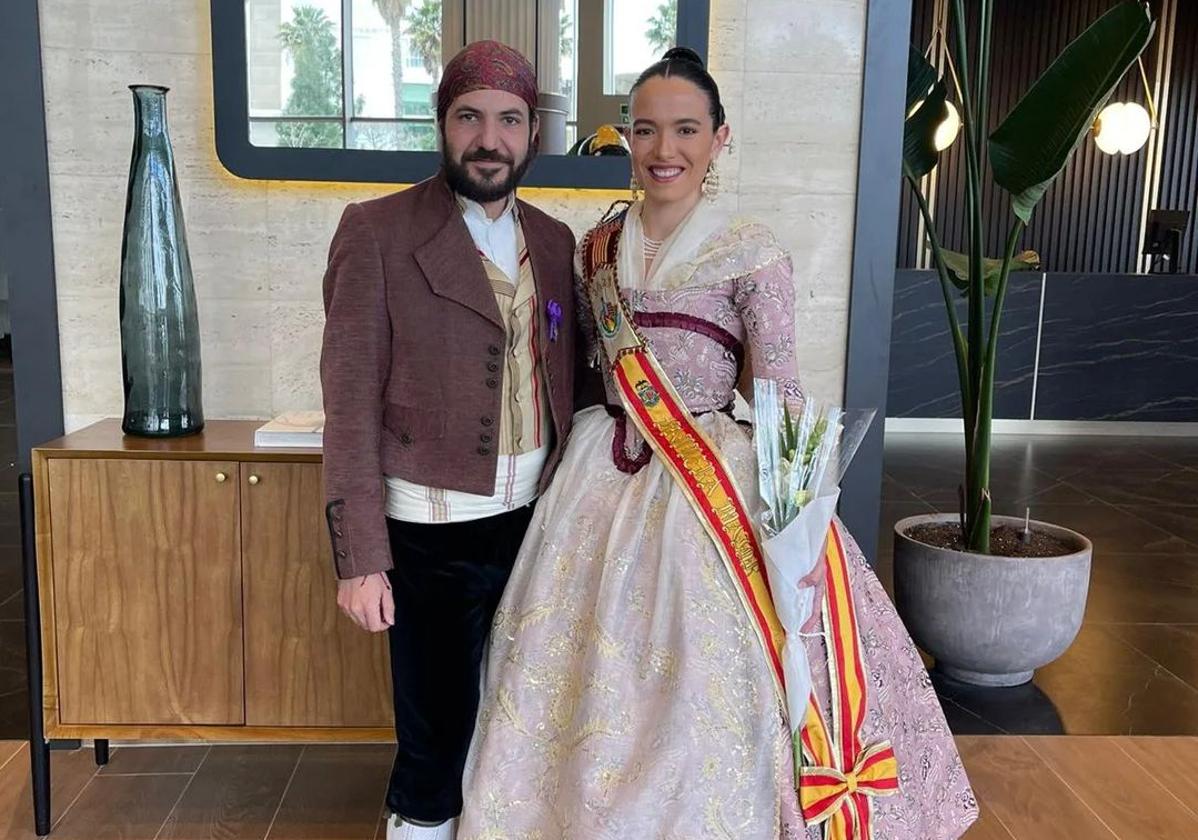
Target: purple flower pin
{"x":554,"y":310}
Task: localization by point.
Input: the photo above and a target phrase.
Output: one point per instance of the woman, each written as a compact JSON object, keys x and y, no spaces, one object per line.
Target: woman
{"x":628,"y":692}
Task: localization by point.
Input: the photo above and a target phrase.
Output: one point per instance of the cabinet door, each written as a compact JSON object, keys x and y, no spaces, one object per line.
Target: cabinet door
{"x":147,"y":591}
{"x":306,"y":664}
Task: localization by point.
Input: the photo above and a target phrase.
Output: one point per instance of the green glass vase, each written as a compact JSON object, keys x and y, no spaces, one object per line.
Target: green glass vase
{"x":160,"y":332}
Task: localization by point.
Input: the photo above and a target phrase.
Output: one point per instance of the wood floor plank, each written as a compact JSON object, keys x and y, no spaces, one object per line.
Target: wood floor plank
{"x":70,"y":773}
{"x":1171,"y":761}
{"x":8,"y":749}
{"x":1025,"y":793}
{"x":988,"y":826}
{"x":129,"y":760}
{"x":125,"y":807}
{"x":1131,"y":803}
{"x":234,"y":794}
{"x":335,"y":794}
{"x":1042,"y":788}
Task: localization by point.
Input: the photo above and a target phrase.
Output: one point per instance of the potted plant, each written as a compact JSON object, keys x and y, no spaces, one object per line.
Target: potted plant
{"x":993,"y":598}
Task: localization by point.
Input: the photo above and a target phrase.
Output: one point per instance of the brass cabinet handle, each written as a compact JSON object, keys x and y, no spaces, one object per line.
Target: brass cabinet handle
{"x":221,"y":478}
{"x":253,"y":479}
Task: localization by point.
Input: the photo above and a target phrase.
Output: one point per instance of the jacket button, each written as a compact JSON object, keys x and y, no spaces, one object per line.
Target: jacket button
{"x":341,"y":553}
{"x":337,"y":532}
{"x":493,"y":350}
{"x":405,"y":439}
{"x":485,"y":437}
{"x":492,"y":383}
{"x":492,"y":366}
{"x":484,"y":450}
{"x":487,"y":421}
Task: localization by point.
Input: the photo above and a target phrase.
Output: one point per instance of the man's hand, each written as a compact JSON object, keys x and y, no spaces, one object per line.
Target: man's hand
{"x":368,"y":601}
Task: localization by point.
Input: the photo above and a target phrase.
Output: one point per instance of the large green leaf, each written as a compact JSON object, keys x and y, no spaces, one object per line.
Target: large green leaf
{"x":1037,"y":138}
{"x":925,"y":111}
{"x":919,"y":134}
{"x":921,"y":75}
{"x":958,"y":268}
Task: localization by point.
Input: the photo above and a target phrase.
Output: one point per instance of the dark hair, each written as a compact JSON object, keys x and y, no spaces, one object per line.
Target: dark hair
{"x":686,"y":64}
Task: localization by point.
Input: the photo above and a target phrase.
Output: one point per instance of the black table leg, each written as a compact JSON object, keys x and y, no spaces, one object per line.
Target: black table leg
{"x":39,"y":748}
{"x":101,"y":752}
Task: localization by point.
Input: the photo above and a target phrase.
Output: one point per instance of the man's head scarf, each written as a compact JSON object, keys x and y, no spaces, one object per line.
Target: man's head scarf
{"x":487,"y":65}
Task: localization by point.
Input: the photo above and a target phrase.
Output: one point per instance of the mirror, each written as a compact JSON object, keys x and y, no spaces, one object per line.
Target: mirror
{"x":345,"y":89}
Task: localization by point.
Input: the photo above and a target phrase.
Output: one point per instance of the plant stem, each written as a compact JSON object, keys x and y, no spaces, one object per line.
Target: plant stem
{"x":946,"y":287}
{"x":982,"y":94}
{"x":977,"y":282}
{"x":978,"y":537}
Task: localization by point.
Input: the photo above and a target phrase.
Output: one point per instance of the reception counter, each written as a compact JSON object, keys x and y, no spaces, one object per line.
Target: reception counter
{"x":1113,"y":347}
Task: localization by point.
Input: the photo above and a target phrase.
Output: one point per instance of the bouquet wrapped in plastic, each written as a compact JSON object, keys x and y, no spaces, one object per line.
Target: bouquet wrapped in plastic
{"x":801,"y":459}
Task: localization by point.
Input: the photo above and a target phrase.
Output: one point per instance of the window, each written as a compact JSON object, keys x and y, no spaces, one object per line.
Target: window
{"x":343,"y":90}
{"x":308,"y":90}
{"x":568,"y":68}
{"x":636,"y":34}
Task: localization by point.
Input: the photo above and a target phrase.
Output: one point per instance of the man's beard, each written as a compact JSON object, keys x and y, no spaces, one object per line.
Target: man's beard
{"x":485,"y":191}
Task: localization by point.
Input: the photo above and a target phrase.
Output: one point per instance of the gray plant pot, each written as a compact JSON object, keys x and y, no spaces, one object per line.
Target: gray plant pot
{"x":990,"y":620}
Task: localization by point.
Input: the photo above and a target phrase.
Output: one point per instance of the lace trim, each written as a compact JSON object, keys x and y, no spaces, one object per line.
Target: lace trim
{"x":744,"y":249}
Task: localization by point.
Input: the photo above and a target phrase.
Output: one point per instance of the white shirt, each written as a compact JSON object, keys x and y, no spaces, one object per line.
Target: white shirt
{"x":517,"y":477}
{"x":494,"y":237}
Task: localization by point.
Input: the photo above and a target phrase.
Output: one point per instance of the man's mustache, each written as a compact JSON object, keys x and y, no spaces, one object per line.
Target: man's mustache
{"x":487,"y":156}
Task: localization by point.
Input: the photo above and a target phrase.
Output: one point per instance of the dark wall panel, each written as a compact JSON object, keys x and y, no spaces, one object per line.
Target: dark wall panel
{"x":923,"y":372}
{"x":1119,"y":348}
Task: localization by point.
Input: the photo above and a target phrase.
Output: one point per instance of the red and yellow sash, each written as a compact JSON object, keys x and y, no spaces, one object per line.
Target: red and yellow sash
{"x":663,"y":419}
{"x":840,"y":776}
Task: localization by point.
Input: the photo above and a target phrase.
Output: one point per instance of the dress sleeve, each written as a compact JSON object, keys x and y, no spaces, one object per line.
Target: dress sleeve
{"x":764,"y":300}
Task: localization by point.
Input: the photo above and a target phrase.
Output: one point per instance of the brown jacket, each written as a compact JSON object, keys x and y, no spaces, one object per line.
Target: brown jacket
{"x":410,"y":362}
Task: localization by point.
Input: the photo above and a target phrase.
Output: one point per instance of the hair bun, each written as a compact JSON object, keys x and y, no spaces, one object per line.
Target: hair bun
{"x":683,"y":54}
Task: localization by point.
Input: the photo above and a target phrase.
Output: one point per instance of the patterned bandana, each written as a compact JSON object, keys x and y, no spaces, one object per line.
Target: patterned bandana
{"x":487,"y":65}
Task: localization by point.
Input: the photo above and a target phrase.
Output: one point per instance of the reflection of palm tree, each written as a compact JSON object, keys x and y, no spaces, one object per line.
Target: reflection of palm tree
{"x":424,"y":36}
{"x":392,"y":12}
{"x":663,"y":26}
{"x":565,"y":41}
{"x":316,"y":84}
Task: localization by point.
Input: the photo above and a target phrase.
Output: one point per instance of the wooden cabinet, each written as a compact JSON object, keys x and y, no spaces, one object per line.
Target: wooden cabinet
{"x":147,"y":587}
{"x":186,"y":591}
{"x":305,"y":663}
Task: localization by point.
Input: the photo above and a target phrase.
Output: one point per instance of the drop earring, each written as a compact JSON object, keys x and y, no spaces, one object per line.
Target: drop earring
{"x":711,"y":182}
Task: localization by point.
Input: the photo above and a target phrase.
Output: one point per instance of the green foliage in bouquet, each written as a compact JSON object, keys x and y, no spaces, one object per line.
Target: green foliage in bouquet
{"x":1026,"y":152}
{"x":794,"y":454}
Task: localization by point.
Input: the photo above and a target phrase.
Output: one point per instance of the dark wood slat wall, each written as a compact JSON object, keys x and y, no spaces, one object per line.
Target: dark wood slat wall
{"x":1179,"y":172}
{"x":1090,"y":220}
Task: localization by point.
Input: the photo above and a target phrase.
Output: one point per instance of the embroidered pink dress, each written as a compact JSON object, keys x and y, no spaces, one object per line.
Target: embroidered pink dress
{"x":626,"y":696}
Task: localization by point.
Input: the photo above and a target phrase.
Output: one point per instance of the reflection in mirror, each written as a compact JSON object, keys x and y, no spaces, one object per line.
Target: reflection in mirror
{"x":635,"y":34}
{"x":363,"y":74}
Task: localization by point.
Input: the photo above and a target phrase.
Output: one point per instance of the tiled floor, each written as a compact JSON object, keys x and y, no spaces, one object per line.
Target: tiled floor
{"x":1134,"y":668}
{"x":1028,"y":789}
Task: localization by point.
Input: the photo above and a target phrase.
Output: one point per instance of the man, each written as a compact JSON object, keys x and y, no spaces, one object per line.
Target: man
{"x":447,"y":368}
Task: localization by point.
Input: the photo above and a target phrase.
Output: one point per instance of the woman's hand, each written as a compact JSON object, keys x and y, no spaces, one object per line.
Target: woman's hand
{"x":815,"y":579}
